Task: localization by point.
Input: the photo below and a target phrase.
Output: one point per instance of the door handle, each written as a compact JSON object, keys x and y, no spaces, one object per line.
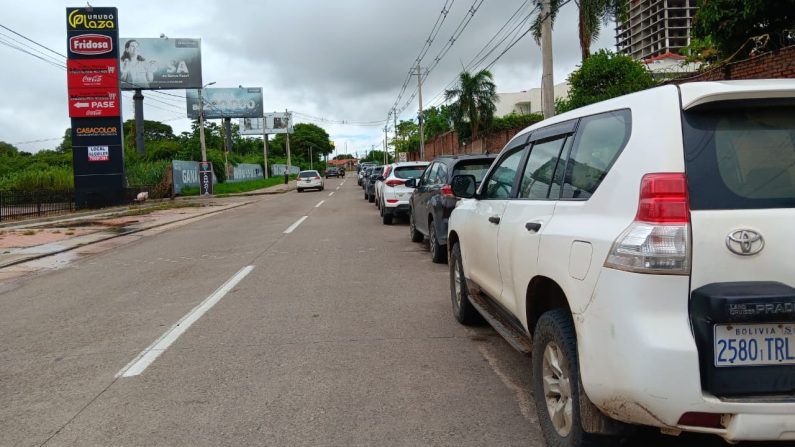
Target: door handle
{"x":495,"y":220}
{"x":533,"y":227}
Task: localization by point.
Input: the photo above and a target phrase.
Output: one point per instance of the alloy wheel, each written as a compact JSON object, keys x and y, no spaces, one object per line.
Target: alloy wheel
{"x":557,"y":389}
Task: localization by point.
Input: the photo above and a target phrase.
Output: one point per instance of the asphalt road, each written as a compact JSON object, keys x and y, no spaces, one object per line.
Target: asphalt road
{"x":337,"y":333}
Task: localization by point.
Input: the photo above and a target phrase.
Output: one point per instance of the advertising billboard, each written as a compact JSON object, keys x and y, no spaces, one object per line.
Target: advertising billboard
{"x":243,"y":102}
{"x":92,"y":79}
{"x":165,"y":63}
{"x":250,"y":126}
{"x":278,"y":122}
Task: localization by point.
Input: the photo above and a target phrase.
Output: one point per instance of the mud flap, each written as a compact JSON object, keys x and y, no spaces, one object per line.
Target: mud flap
{"x":594,"y":421}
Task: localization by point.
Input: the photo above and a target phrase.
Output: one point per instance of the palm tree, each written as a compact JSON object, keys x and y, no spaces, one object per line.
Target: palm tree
{"x":474,"y":100}
{"x":592,"y":15}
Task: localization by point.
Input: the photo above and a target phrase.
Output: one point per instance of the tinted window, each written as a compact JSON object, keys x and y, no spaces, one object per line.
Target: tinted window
{"x":741,"y":157}
{"x":308,"y":174}
{"x":409,"y":171}
{"x":598,"y":142}
{"x":540,"y":169}
{"x":477,"y":169}
{"x":431,"y":176}
{"x":500,"y":182}
{"x":441,"y":174}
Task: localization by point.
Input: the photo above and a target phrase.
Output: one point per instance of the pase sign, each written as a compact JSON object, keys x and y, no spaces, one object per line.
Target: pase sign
{"x":90,"y":44}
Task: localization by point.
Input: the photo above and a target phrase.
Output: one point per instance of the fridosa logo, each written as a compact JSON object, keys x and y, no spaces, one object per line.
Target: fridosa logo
{"x":82,"y":20}
{"x":91,"y":44}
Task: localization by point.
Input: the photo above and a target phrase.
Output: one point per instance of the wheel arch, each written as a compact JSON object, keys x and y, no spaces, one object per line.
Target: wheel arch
{"x":543,"y":294}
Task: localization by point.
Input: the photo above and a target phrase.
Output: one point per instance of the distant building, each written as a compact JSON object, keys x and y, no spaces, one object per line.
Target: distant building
{"x":655,"y":27}
{"x":526,"y":101}
{"x":669,"y":66}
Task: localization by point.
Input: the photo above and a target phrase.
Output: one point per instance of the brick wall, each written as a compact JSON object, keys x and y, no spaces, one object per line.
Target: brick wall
{"x":448,"y":144}
{"x":773,"y":64}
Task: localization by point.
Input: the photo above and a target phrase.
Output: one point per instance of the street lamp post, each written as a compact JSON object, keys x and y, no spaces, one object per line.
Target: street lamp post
{"x":201,"y":121}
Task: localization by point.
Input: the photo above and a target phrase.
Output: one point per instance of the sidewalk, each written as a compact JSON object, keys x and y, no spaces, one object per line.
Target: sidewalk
{"x":31,"y":239}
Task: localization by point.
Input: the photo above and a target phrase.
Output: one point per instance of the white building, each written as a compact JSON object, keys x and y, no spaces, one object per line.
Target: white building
{"x":670,"y":65}
{"x":526,"y":101}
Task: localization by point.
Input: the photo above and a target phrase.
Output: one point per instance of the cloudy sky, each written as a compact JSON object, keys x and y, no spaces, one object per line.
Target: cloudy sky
{"x":328,"y":61}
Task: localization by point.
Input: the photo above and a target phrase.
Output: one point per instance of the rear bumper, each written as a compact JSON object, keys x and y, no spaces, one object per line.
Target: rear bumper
{"x":401,"y":209}
{"x":640,"y":364}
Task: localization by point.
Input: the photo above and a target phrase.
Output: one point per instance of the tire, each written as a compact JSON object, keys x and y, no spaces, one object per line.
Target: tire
{"x":416,"y":236}
{"x":371,"y":198}
{"x":463,"y":310}
{"x":299,"y":189}
{"x":555,"y":343}
{"x":438,"y":252}
{"x":322,"y":188}
{"x":386,"y":218}
{"x":365,"y":195}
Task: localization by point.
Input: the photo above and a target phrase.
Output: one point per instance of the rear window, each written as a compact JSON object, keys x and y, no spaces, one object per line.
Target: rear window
{"x":741,"y":157}
{"x":309,"y":174}
{"x":476,"y":168}
{"x":409,"y":171}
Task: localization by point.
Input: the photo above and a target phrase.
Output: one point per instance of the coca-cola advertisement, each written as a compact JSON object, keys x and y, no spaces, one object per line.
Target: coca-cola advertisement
{"x":92,"y":73}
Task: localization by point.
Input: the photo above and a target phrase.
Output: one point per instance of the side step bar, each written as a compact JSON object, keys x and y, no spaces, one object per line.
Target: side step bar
{"x":510,"y":330}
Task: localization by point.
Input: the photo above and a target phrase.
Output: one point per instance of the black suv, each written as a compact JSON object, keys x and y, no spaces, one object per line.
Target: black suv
{"x":369,"y":183}
{"x":433,"y":200}
{"x":333,"y":172}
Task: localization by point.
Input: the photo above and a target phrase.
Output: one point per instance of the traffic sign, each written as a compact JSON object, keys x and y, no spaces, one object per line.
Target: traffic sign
{"x":93,"y":102}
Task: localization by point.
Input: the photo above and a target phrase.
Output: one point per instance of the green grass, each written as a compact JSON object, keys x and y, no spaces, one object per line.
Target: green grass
{"x":232,"y":188}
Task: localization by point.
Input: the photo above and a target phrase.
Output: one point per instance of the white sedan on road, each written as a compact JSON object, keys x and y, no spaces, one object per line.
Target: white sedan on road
{"x":308,"y":180}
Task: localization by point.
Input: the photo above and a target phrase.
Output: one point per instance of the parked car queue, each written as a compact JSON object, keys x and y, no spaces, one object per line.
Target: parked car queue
{"x":638,"y":248}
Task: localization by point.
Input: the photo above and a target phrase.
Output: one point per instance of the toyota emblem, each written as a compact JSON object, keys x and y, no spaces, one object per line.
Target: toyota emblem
{"x":745,"y":242}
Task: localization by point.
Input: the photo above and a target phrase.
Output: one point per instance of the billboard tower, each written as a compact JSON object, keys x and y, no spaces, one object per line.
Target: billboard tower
{"x":94,"y":105}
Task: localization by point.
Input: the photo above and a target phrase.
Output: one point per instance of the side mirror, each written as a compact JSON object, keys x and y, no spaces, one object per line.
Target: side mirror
{"x":464,"y":186}
{"x":411,"y":183}
{"x":380,"y":178}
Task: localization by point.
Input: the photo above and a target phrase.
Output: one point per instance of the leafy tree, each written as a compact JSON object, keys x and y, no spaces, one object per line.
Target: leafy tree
{"x":66,"y":143}
{"x":376,"y":156}
{"x":603,"y":76}
{"x":408,"y":137}
{"x":8,"y":150}
{"x":593,"y":14}
{"x":515,"y":121}
{"x":475,"y":98}
{"x":437,"y":121}
{"x":304,"y":137}
{"x":343,"y":157}
{"x":730,"y":23}
{"x":153,"y":131}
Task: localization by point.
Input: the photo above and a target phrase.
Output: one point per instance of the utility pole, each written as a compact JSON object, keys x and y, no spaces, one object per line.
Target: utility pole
{"x":394,"y":117}
{"x":287,"y":135}
{"x":264,"y":148}
{"x":420,"y":117}
{"x":201,"y":126}
{"x":138,"y":97}
{"x":547,"y":82}
{"x":386,"y":146}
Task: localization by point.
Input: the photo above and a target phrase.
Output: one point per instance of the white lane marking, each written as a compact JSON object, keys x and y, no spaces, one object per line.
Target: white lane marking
{"x":338,"y":188}
{"x":148,"y":355}
{"x":331,"y":193}
{"x":319,"y":203}
{"x":292,"y":227}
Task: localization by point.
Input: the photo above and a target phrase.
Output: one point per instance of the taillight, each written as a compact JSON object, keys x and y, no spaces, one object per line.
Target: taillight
{"x":658,"y":240}
{"x":394,"y":182}
{"x":317,"y":178}
{"x":447,"y":191}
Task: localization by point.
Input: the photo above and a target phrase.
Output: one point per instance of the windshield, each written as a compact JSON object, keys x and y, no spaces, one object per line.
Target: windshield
{"x":476,"y":168}
{"x":406,"y":172}
{"x":309,"y":174}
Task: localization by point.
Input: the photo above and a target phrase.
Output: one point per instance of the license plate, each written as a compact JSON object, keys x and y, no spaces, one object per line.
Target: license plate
{"x":754,"y":344}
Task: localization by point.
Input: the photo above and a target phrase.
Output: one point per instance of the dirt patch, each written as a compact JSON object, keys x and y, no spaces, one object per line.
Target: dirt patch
{"x":24,"y":238}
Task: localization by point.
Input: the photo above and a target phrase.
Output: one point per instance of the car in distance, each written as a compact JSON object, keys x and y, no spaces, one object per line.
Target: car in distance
{"x":309,"y":180}
{"x":369,"y":183}
{"x":641,"y":249}
{"x":392,"y":193}
{"x":433,"y":200}
{"x":333,"y":172}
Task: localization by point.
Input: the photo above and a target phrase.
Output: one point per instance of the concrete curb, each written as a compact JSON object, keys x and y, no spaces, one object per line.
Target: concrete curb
{"x":114,"y":236}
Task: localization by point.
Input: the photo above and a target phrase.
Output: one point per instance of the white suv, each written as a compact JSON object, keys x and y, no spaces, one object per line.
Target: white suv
{"x":644,"y":245}
{"x":391,"y":194}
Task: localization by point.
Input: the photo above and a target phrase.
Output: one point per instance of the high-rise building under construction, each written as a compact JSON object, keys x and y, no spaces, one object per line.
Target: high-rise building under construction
{"x":655,"y":27}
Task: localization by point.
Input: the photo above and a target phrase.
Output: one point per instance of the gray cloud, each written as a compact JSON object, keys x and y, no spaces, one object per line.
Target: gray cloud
{"x":342,"y":60}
